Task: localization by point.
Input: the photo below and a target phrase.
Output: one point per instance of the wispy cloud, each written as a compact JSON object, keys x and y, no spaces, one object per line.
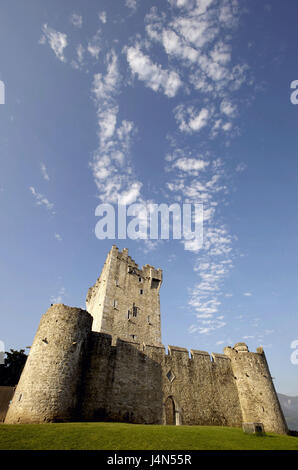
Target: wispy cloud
{"x":111,"y":166}
{"x":56,"y":40}
{"x":44,"y":172}
{"x":41,"y":200}
{"x":241,"y":167}
{"x":58,"y":237}
{"x":76,"y":20}
{"x":58,"y":299}
{"x":94,"y":45}
{"x":190,"y":120}
{"x":103,"y":16}
{"x":197,"y":38}
{"x":132,"y":4}
{"x":153,"y":75}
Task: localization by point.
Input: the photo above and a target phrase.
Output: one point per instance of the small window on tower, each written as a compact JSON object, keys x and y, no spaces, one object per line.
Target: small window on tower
{"x":134,"y":310}
{"x":128,"y":314}
{"x":115,"y":304}
{"x":134,"y":337}
{"x":141,"y":291}
{"x":140,"y":279}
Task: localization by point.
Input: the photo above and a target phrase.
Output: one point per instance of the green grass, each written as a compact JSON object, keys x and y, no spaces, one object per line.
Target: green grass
{"x":119,"y":436}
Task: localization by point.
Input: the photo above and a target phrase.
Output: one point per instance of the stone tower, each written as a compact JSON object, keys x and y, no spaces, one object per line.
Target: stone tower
{"x":124,"y":301}
{"x":49,"y":386}
{"x":257,"y":396}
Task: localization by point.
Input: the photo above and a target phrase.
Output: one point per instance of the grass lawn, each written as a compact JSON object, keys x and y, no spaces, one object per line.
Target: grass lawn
{"x":119,"y":436}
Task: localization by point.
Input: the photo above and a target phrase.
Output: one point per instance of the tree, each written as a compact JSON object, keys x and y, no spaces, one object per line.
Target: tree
{"x":10,"y":371}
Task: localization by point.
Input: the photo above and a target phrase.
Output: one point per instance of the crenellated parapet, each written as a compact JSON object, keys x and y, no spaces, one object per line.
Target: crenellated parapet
{"x":107,"y":363}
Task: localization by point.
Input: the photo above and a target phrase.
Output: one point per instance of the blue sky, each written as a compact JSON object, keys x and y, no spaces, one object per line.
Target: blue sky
{"x":162,"y":101}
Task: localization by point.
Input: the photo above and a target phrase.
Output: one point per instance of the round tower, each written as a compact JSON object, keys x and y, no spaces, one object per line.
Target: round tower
{"x":258,"y":398}
{"x":48,"y":389}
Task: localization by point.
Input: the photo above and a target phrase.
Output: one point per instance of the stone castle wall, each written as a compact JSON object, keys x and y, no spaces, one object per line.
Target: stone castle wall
{"x":108,"y":363}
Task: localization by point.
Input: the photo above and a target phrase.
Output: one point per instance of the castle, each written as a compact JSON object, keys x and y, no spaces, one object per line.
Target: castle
{"x":107,"y":363}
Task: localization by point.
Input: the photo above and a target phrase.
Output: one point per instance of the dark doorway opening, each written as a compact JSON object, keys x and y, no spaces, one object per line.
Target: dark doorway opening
{"x":170,"y":411}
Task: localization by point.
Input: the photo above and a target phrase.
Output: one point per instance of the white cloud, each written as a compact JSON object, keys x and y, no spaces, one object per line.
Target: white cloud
{"x":228,"y":108}
{"x":175,"y":46}
{"x":111,"y":167}
{"x":241,"y":167}
{"x":76,"y":20}
{"x":58,"y":237}
{"x":80,"y":53}
{"x":132,"y":4}
{"x":56,"y":40}
{"x":190,"y":120}
{"x":77,"y":64}
{"x":154,"y":76}
{"x":94,"y":46}
{"x":131,"y":195}
{"x":44,"y":172}
{"x":103,"y":16}
{"x":189,"y":165}
{"x":247,"y":294}
{"x":59,"y":298}
{"x":41,"y":200}
{"x":214,"y":258}
{"x":199,"y":34}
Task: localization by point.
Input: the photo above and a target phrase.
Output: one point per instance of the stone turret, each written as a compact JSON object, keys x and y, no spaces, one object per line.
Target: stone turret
{"x":48,"y":389}
{"x":124,"y":301}
{"x":108,"y":363}
{"x":258,"y":399}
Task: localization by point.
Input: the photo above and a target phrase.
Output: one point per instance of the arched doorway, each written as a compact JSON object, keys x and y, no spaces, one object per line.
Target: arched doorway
{"x":170,"y":411}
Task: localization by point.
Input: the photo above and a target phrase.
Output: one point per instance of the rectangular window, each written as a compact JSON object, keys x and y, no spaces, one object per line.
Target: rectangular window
{"x":140,"y":279}
{"x":115,"y":304}
{"x":141,"y":291}
{"x":134,"y":310}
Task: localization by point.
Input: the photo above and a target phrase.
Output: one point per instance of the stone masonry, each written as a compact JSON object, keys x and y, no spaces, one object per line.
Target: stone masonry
{"x":107,"y":363}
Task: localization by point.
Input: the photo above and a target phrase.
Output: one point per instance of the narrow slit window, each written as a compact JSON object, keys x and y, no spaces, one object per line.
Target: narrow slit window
{"x":134,"y":310}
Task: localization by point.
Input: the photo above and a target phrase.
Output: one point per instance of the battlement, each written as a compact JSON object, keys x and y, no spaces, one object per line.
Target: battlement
{"x":177,"y":354}
{"x":108,"y":363}
{"x":241,"y":349}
